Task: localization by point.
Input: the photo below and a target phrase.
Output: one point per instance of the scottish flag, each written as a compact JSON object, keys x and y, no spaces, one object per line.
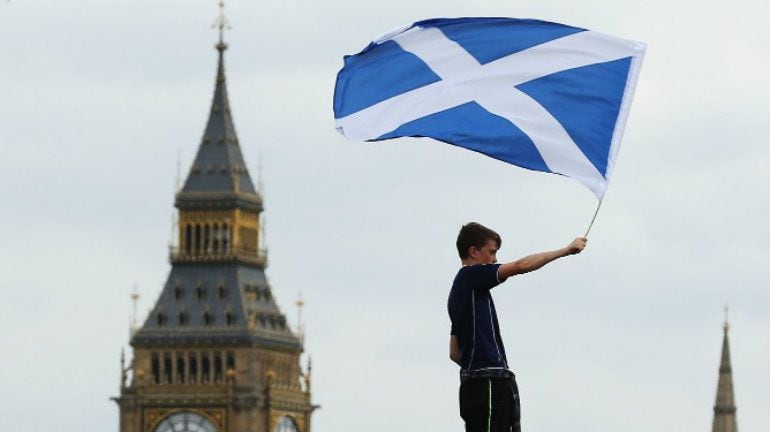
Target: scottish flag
{"x":540,"y":95}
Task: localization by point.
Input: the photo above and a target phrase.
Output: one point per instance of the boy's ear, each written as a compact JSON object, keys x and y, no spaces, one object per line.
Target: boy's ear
{"x":472,"y":251}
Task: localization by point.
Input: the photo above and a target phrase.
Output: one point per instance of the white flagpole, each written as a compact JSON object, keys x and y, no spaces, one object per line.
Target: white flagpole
{"x":594,"y":218}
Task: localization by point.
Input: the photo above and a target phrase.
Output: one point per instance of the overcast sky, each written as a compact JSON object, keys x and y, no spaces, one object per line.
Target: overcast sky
{"x":99,"y":100}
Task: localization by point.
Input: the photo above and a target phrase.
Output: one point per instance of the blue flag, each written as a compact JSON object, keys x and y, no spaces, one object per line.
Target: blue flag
{"x":539,"y":95}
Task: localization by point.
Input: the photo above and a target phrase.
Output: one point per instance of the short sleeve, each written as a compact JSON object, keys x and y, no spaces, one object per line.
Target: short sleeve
{"x":484,"y":276}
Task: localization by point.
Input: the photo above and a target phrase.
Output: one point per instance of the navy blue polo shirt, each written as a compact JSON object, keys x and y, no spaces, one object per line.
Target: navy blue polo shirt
{"x":474,"y":320}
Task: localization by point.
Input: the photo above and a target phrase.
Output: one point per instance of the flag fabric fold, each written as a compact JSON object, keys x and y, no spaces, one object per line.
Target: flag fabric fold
{"x":539,"y":95}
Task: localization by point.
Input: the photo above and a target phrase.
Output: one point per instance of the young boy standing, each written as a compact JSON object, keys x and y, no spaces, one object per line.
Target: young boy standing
{"x":489,"y":397}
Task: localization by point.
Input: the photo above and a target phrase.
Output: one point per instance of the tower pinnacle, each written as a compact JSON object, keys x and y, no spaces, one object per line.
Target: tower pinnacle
{"x":726,"y":325}
{"x":133,"y":323}
{"x":300,"y":325}
{"x":222,"y":24}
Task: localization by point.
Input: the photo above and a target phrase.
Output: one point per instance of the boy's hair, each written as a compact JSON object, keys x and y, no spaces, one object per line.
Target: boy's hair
{"x":475,"y":234}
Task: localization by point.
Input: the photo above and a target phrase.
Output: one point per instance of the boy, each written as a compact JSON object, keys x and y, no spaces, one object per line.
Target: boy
{"x":489,"y":397}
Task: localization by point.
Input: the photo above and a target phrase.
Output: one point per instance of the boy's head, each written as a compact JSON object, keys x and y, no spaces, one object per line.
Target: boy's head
{"x":477,"y":236}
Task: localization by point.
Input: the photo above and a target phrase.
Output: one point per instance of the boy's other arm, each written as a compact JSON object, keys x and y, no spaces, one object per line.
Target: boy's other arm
{"x":454,"y":349}
{"x":535,"y":261}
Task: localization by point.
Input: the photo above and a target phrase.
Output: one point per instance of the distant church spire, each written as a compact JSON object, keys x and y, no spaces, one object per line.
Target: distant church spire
{"x":724,"y":407}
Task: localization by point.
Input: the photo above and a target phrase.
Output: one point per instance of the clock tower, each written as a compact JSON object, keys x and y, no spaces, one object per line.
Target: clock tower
{"x":216,"y":353}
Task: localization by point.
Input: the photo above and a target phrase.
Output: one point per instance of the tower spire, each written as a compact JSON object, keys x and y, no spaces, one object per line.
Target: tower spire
{"x":724,"y":407}
{"x":218,"y":174}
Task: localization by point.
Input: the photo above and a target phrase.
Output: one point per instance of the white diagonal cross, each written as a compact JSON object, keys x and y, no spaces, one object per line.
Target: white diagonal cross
{"x":492,"y":85}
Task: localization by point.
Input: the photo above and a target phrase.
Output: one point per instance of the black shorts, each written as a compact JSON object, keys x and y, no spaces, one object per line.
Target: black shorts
{"x":490,"y":405}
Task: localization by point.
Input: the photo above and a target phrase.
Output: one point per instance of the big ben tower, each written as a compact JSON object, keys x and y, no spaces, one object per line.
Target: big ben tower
{"x":215,"y":353}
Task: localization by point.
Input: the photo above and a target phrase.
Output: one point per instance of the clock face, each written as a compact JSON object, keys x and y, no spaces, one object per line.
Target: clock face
{"x":285,"y":424}
{"x":186,"y":422}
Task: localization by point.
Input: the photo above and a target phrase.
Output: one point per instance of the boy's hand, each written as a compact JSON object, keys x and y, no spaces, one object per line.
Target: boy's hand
{"x":577,"y":246}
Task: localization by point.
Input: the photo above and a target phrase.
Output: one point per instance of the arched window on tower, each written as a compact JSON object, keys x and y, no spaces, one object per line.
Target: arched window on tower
{"x":155,"y":368}
{"x":167,"y":368}
{"x":183,"y":318}
{"x":230,"y":360}
{"x":229,"y":318}
{"x":215,"y":237}
{"x":230,"y":365}
{"x":217,"y":366}
{"x":197,"y":239}
{"x":206,"y":239}
{"x":193,"y":362}
{"x":161,"y":317}
{"x":188,"y":239}
{"x":208,"y":318}
{"x":180,"y":369}
{"x":205,"y":367}
{"x":225,"y":238}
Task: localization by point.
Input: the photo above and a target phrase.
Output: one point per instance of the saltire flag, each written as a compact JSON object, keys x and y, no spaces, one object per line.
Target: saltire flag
{"x":540,"y":95}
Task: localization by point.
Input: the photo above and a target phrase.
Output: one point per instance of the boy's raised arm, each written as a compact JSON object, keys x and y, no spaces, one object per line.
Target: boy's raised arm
{"x":535,"y":261}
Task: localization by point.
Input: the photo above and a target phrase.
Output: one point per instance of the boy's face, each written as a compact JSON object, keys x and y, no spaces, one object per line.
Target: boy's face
{"x":486,"y":255}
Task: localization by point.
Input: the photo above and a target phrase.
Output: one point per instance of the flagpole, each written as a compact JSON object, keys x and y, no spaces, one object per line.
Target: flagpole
{"x":594,"y":218}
